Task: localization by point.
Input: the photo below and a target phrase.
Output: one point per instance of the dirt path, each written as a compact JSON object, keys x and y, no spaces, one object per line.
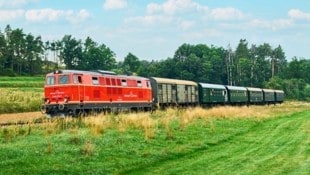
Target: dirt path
{"x":17,"y":117}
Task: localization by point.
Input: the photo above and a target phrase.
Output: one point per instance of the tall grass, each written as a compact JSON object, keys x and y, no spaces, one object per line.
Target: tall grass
{"x":220,"y":140}
{"x":169,"y":120}
{"x":14,"y":100}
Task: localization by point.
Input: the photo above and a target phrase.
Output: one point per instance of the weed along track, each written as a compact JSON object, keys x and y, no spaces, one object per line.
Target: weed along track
{"x":25,"y":117}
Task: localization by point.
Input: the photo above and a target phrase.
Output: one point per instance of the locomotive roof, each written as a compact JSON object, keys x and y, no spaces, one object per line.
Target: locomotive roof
{"x":74,"y":72}
{"x":174,"y":81}
{"x":96,"y":73}
{"x":213,"y":86}
{"x":236,"y":88}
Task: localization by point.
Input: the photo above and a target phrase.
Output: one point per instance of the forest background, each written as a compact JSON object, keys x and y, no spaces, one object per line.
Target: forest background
{"x":247,"y":65}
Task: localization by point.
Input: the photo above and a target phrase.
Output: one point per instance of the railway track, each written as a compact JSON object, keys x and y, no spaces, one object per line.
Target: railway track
{"x":21,"y":123}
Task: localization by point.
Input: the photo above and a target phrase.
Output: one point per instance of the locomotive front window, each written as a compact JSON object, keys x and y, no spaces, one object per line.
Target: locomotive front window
{"x":50,"y":80}
{"x":63,"y":79}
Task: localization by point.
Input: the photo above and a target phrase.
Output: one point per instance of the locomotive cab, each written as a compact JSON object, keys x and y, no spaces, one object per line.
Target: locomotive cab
{"x":62,"y":90}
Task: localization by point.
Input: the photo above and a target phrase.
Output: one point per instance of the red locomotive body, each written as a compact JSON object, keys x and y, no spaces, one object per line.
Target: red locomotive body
{"x":73,"y":92}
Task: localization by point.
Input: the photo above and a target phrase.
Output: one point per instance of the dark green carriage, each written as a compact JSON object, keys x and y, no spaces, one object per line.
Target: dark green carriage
{"x":279,"y":96}
{"x":255,"y":95}
{"x":212,"y":94}
{"x":237,"y":95}
{"x":269,"y":96}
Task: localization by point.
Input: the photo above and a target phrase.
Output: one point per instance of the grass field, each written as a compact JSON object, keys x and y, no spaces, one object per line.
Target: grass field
{"x":22,"y":82}
{"x":14,"y":100}
{"x":20,"y":94}
{"x":221,"y":140}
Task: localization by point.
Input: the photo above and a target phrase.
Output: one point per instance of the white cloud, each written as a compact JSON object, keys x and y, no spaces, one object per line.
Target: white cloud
{"x":9,"y":15}
{"x":40,"y":15}
{"x":169,"y":12}
{"x":114,"y":4}
{"x":228,"y":13}
{"x":298,"y":14}
{"x":274,"y":24}
{"x":148,"y":19}
{"x":82,"y":15}
{"x":15,"y":3}
{"x":185,"y":25}
{"x":43,"y":15}
{"x":175,"y":6}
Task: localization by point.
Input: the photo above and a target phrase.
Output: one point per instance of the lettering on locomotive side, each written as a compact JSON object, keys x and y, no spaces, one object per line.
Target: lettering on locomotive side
{"x":131,"y":95}
{"x":57,"y":94}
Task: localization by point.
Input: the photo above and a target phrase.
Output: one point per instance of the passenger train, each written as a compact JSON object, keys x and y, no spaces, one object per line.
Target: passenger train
{"x":73,"y":92}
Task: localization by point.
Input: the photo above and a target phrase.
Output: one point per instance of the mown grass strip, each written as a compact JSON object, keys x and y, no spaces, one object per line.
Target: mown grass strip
{"x":277,"y":146}
{"x":22,"y":82}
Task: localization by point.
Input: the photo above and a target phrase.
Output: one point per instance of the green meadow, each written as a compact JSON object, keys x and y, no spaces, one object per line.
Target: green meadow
{"x":221,"y":140}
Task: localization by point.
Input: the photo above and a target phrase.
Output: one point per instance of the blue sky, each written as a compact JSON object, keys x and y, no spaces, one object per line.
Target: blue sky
{"x":154,"y":29}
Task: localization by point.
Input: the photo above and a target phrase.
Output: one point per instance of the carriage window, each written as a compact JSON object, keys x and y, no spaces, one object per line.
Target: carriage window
{"x":95,"y":80}
{"x":124,"y":83}
{"x":139,"y":83}
{"x":63,"y":79}
{"x":50,"y":80}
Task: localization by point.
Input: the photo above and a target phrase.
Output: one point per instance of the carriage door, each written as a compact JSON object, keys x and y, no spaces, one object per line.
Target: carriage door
{"x":79,"y":90}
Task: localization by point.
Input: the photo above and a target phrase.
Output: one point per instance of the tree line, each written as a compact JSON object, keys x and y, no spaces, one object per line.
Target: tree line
{"x":248,"y":65}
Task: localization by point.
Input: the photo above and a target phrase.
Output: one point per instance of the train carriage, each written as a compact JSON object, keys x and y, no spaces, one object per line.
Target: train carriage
{"x":73,"y":92}
{"x":237,"y":95}
{"x":212,"y":94}
{"x":269,"y":96}
{"x":255,"y":95}
{"x":279,"y":96}
{"x":172,"y":92}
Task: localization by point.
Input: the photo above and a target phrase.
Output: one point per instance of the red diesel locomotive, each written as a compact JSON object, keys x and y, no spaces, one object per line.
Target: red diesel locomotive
{"x":77,"y":92}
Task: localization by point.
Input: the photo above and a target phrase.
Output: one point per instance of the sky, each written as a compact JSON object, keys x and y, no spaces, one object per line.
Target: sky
{"x":154,"y":29}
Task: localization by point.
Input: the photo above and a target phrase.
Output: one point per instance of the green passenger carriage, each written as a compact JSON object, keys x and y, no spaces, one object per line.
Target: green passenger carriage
{"x":255,"y":95}
{"x":279,"y":96}
{"x":269,"y":96}
{"x":237,"y":95}
{"x":212,"y":94}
